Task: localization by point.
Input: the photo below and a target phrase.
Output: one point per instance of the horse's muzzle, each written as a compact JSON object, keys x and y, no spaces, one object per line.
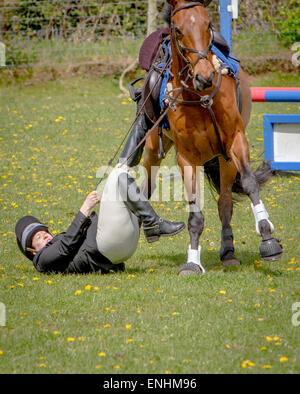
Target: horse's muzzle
{"x":201,"y":83}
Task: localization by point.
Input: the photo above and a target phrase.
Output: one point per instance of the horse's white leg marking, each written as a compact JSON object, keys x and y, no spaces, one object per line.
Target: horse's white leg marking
{"x":260,"y":213}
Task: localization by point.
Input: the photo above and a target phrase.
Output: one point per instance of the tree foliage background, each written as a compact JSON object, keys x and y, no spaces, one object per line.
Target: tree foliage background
{"x":91,"y":19}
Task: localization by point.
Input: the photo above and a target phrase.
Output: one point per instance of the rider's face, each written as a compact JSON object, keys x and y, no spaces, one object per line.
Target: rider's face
{"x":40,"y":239}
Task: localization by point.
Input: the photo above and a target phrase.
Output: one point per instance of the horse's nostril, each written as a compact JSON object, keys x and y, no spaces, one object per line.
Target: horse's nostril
{"x":202,"y":83}
{"x":208,"y":83}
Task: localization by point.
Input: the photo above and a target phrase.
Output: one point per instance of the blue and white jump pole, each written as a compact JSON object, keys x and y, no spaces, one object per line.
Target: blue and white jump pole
{"x":228,"y":11}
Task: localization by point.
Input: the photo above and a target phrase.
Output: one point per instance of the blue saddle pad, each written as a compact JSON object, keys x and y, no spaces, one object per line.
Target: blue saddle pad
{"x":166,"y":76}
{"x":230,"y":61}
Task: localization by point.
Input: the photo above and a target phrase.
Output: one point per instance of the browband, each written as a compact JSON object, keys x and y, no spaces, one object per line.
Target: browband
{"x":189,"y":5}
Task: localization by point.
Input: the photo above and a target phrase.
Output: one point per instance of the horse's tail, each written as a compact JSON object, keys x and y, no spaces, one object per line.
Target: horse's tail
{"x":212,"y":170}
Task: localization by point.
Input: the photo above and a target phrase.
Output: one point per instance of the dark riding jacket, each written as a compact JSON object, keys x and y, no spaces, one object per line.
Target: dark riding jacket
{"x":75,"y":251}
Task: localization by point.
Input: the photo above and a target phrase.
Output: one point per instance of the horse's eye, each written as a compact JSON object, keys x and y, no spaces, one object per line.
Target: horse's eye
{"x":178,"y":32}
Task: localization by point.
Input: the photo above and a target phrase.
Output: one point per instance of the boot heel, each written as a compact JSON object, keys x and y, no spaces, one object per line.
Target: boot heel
{"x":153,"y":238}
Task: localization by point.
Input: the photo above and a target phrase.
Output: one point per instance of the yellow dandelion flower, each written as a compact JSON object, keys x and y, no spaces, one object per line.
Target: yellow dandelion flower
{"x":222,"y":291}
{"x":101,"y":354}
{"x":128,"y":326}
{"x":70,"y":339}
{"x":283,"y":359}
{"x":88,"y":287}
{"x":247,"y":363}
{"x":77,"y":292}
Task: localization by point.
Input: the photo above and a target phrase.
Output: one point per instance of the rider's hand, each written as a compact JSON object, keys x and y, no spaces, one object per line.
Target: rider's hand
{"x":89,"y":203}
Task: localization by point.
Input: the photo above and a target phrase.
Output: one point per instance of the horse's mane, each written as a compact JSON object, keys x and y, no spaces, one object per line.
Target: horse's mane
{"x":167,"y":10}
{"x":166,"y":14}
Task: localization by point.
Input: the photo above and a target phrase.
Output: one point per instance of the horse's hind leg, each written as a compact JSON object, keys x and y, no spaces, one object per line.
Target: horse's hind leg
{"x":195,"y":221}
{"x":225,"y":205}
{"x":270,"y":249}
{"x":152,"y":161}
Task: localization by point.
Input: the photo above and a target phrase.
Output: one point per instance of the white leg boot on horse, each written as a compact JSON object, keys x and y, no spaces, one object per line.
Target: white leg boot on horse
{"x":190,"y":177}
{"x":270,"y":248}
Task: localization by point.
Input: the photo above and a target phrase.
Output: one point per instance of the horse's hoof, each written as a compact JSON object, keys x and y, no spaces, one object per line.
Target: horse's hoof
{"x":190,"y":269}
{"x":229,"y":260}
{"x":231,"y":263}
{"x":271,"y":250}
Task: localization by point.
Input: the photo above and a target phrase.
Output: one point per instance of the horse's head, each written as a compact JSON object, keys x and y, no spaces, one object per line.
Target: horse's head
{"x":192,"y":35}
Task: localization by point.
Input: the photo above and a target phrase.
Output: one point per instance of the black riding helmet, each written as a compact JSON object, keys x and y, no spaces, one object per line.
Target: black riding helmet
{"x":25,"y":229}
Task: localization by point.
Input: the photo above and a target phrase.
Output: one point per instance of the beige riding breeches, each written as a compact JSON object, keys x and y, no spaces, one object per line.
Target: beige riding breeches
{"x":118,"y":228}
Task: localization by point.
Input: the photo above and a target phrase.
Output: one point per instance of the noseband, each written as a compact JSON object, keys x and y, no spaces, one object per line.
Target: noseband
{"x":181,"y":49}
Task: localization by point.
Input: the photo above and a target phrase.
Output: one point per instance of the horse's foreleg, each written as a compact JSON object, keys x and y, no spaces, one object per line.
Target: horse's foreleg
{"x":225,"y":205}
{"x":270,"y":248}
{"x":195,"y":221}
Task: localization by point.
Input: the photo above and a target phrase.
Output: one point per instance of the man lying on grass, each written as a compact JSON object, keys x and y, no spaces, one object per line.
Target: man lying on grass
{"x":93,"y":243}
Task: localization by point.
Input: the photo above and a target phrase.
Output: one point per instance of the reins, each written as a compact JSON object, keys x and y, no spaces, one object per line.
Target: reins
{"x":132,"y":124}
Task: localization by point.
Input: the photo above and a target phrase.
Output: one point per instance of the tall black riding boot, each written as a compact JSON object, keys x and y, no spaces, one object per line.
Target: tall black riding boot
{"x":154,"y":226}
{"x":140,"y":128}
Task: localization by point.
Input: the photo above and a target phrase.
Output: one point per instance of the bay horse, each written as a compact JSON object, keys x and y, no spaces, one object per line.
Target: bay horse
{"x":208,"y":129}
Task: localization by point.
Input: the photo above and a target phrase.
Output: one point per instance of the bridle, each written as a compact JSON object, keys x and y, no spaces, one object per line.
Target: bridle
{"x":205,"y":101}
{"x":173,"y":95}
{"x":181,"y":48}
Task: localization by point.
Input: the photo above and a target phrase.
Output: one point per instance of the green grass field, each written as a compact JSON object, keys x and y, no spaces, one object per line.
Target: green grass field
{"x":53,"y":138}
